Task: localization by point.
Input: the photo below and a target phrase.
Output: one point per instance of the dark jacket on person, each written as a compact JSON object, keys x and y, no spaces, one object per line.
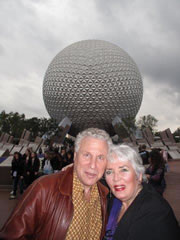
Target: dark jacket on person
{"x":157,"y":179}
{"x":35,"y":165}
{"x":56,"y":162}
{"x":27,"y":164}
{"x":17,"y":165}
{"x":46,"y":209}
{"x":34,"y":168}
{"x":149,"y":217}
{"x":145,"y":156}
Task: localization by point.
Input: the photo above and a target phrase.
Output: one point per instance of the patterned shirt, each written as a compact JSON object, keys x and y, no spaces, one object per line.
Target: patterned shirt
{"x":87,"y":216}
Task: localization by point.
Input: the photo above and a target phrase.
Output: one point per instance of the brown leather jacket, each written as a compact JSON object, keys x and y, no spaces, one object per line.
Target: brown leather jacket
{"x":46,"y":210}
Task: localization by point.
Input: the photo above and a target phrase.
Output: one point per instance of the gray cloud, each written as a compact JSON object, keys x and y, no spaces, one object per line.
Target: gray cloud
{"x":149,"y":32}
{"x":34,"y":31}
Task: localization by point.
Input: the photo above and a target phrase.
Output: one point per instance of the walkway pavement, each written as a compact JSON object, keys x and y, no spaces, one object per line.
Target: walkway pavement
{"x":6,"y":205}
{"x":172,"y":194}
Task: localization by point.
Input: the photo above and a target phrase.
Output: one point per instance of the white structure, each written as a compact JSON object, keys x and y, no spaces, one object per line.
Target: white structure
{"x":91,"y":82}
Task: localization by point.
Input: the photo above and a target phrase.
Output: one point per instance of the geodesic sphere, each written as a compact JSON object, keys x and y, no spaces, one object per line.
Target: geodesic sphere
{"x":91,"y":82}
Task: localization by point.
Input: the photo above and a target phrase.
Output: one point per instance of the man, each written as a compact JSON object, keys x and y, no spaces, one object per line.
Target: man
{"x":144,"y":155}
{"x":66,"y":205}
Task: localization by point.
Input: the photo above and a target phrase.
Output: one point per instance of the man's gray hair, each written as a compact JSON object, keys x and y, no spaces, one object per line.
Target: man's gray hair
{"x":95,"y":133}
{"x":122,"y":152}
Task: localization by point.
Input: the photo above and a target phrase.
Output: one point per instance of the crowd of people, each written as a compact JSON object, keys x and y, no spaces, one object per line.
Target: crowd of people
{"x":74,"y":204}
{"x":28,"y":167}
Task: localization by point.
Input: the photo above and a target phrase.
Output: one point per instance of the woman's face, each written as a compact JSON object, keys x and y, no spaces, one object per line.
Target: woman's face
{"x":27,"y":153}
{"x":69,"y":155}
{"x":122,"y":180}
{"x":16,"y":155}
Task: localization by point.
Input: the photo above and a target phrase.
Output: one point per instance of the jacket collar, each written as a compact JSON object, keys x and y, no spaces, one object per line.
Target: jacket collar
{"x":102,"y":190}
{"x":66,"y":181}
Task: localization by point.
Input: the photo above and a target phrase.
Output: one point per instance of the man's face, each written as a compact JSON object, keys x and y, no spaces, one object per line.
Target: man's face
{"x":90,"y":161}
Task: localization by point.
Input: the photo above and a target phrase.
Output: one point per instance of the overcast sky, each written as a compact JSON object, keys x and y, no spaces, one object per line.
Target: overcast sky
{"x":32,"y":32}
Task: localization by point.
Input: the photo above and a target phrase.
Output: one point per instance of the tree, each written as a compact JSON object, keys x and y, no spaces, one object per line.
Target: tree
{"x":15,"y":123}
{"x":176,"y":134}
{"x":125,"y":127}
{"x":148,"y":121}
{"x":12,"y":123}
{"x":40,"y":126}
{"x":32,"y":124}
{"x":4,"y":123}
{"x":47,"y":125}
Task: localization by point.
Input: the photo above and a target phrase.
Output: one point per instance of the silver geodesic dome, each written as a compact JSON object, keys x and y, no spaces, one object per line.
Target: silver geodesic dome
{"x":91,"y":82}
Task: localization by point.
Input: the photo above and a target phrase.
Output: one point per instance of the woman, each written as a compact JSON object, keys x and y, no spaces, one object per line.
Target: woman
{"x":64,"y":157}
{"x":137,"y":212}
{"x":27,"y":167}
{"x":69,"y":157}
{"x":34,"y":169}
{"x":17,"y":171}
{"x":47,"y":165}
{"x":155,"y":171}
{"x":56,"y":160}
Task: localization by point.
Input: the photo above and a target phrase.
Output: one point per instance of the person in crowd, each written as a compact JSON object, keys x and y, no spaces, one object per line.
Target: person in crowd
{"x":34,"y":166}
{"x":64,"y":157}
{"x":156,"y":170}
{"x":137,"y":211}
{"x":47,"y":164}
{"x":17,"y":170}
{"x":27,"y":167}
{"x":67,"y":205}
{"x":56,"y":161}
{"x":69,"y":157}
{"x":144,"y":154}
{"x":164,"y":155}
{"x":40,"y":151}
